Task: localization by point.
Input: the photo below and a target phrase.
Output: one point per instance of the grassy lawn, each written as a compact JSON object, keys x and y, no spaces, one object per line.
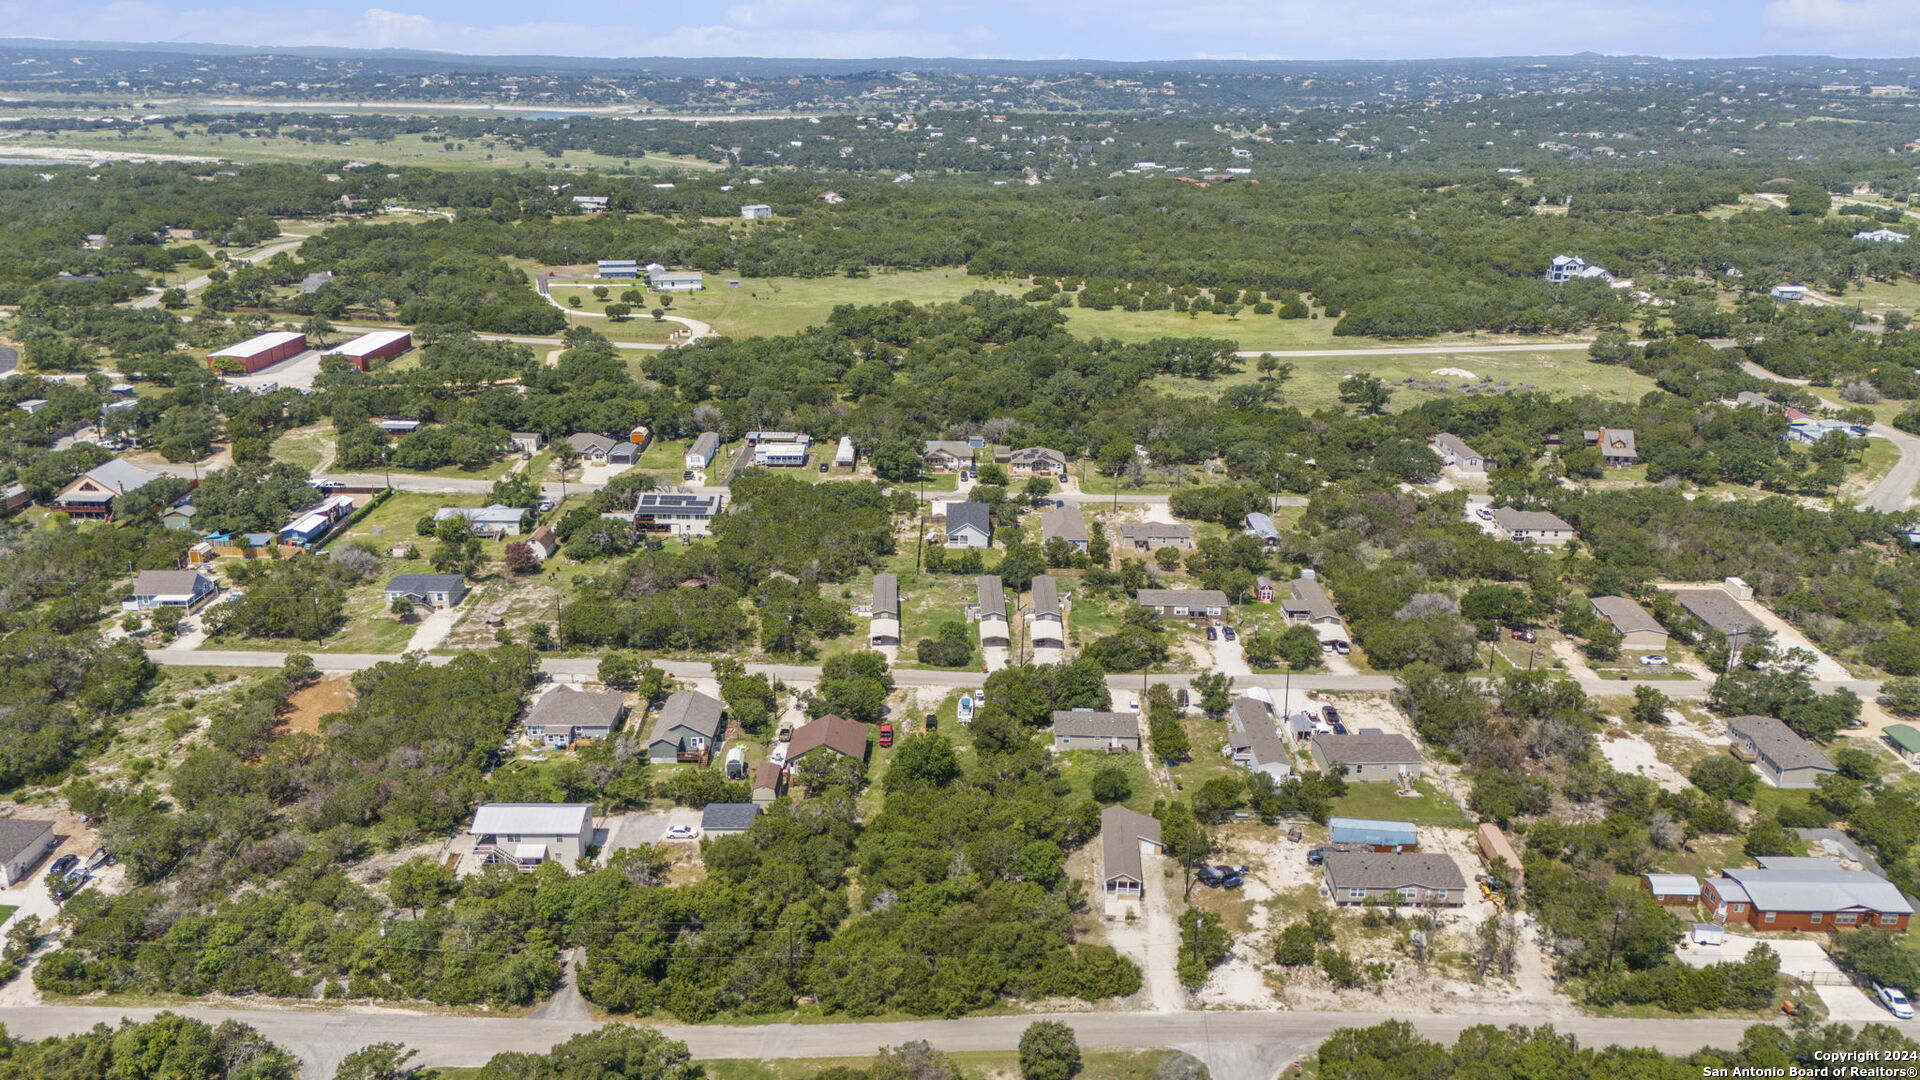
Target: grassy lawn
{"x":1381,"y":802}
{"x":1316,"y":379}
{"x":395,"y":519}
{"x":1078,"y":767}
{"x":784,"y":305}
{"x":306,"y":447}
{"x":1879,"y":297}
{"x":402,"y":150}
{"x":369,"y":627}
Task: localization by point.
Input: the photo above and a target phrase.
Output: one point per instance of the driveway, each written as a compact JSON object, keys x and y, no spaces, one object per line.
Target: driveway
{"x":297,"y":373}
{"x":435,"y":627}
{"x":646,"y":827}
{"x":1799,"y":959}
{"x":1229,"y":658}
{"x":1152,"y":940}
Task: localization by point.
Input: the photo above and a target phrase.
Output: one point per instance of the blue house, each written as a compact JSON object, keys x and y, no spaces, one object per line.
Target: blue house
{"x":1377,"y":835}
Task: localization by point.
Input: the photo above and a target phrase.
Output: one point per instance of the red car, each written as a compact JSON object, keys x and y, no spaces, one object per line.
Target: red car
{"x":886,"y":734}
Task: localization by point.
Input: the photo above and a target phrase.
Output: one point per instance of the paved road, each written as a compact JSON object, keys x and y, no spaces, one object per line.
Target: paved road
{"x":1238,"y":1045}
{"x":1405,"y":350}
{"x":194,"y":285}
{"x":1894,"y":493}
{"x":586,"y":667}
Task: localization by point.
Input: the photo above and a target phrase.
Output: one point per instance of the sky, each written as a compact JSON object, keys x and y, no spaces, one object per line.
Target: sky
{"x":1049,"y":29}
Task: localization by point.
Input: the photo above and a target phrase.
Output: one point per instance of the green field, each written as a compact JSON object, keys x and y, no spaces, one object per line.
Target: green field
{"x":401,"y":150}
{"x":1316,"y":379}
{"x":1382,"y":803}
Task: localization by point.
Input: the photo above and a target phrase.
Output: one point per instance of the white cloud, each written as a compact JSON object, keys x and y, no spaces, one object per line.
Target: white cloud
{"x":1850,"y":27}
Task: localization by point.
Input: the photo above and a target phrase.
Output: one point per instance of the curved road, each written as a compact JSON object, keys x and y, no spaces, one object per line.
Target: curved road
{"x":1894,"y":493}
{"x":1238,"y":1045}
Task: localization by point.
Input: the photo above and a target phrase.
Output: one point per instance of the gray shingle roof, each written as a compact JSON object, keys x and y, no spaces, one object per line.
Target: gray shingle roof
{"x":1625,"y":615}
{"x":688,"y":709}
{"x":1064,"y":522}
{"x":1529,"y":520}
{"x":886,"y":595}
{"x":1715,"y":608}
{"x":567,"y":707}
{"x":1046,"y":596}
{"x":168,"y":582}
{"x":1777,"y":742}
{"x":1182,"y":598}
{"x":728,"y":816}
{"x":19,"y":834}
{"x":1121,"y":831}
{"x":993,"y":596}
{"x":121,"y":476}
{"x":962,"y":514}
{"x":585,"y":442}
{"x":1392,"y":870}
{"x":705,"y":444}
{"x":1252,"y":731}
{"x":1366,"y":749}
{"x":1150,"y":531}
{"x":1090,"y":723}
{"x":1454,"y":446}
{"x":422,"y":584}
{"x":1308,"y":597}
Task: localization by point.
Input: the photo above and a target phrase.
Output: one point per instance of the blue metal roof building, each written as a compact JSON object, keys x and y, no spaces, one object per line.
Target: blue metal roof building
{"x":1378,"y":834}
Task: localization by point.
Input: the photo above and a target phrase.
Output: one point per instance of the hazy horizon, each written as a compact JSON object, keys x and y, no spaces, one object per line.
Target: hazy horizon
{"x":1130,"y":31}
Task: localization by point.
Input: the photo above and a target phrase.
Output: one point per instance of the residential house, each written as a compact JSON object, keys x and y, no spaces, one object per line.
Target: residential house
{"x":591,"y":204}
{"x":1260,"y":527}
{"x":564,"y":714}
{"x":590,"y":447}
{"x":1881,"y":236}
{"x":179,"y":516}
{"x":1127,"y":837}
{"x":524,"y":835}
{"x":1373,"y":835}
{"x":769,"y":783}
{"x":1366,"y":757}
{"x":1455,"y":452}
{"x":1782,"y":758}
{"x":845,"y":455}
{"x":756,"y":212}
{"x":1812,"y":429}
{"x":1038,"y":461}
{"x":1750,"y":399}
{"x":397,"y":428}
{"x":830,"y":734}
{"x":310,"y":526}
{"x":705,"y":445}
{"x":186,"y":589}
{"x":1263,"y":590}
{"x":676,"y":513}
{"x":1721,"y":612}
{"x":14,"y":496}
{"x":676,"y":280}
{"x":1253,"y":743}
{"x":1154,"y":535}
{"x":543,"y":543}
{"x":1791,"y":294}
{"x":1806,"y":894}
{"x":780,"y":455}
{"x":688,"y":728}
{"x":884,"y":629}
{"x":32,"y":405}
{"x":495,"y":520}
{"x":314,"y":282}
{"x":1048,"y":629}
{"x":1531,"y":526}
{"x":617,"y":269}
{"x":527,"y":442}
{"x":969,"y":525}
{"x":994,"y":630}
{"x":1064,"y":523}
{"x":91,"y":494}
{"x":1565,"y":268}
{"x":1183,"y":603}
{"x":948,"y":455}
{"x":1905,"y":739}
{"x":23,"y":843}
{"x":1616,"y":445}
{"x":430,"y":590}
{"x":1672,"y":890}
{"x":1089,"y":729}
{"x":1419,"y":878}
{"x":1639,"y":630}
{"x":1307,"y":602}
{"x":728,"y":818}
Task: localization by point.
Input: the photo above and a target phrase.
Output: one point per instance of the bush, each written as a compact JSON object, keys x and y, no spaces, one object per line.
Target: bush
{"x":1203,"y":945}
{"x":1049,"y":1051}
{"x":1111,"y":785}
{"x":1725,"y":778}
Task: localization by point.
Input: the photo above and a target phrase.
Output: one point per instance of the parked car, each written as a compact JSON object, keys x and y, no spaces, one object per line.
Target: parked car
{"x":1483,"y":513}
{"x":1895,"y":1000}
{"x":932,"y":721}
{"x":1212,"y":634}
{"x":1527,"y":636}
{"x":319,"y":485}
{"x":686,"y":474}
{"x":1654,"y":660}
{"x":1183,"y":697}
{"x":1220,"y":876}
{"x":682,"y":832}
{"x":1316,"y":856}
{"x":544,"y":505}
{"x":1228,"y":630}
{"x":823,"y":466}
{"x":1339,"y":728}
{"x":63,"y":864}
{"x":886,"y":734}
{"x":786,"y":733}
{"x":1330,"y":714}
{"x":1133,"y":703}
{"x":1342,"y":648}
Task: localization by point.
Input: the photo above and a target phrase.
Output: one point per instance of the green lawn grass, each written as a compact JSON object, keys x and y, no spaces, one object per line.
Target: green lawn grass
{"x":411,"y":149}
{"x":1316,"y":379}
{"x":1381,"y":802}
{"x":306,"y":447}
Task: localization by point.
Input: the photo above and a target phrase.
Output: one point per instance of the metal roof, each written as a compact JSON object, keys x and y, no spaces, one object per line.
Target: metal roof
{"x":1342,"y":830}
{"x":1182,"y":598}
{"x":1800,"y":887}
{"x":1625,"y":615}
{"x":536,"y":819}
{"x":1673,"y":884}
{"x":1903,"y":736}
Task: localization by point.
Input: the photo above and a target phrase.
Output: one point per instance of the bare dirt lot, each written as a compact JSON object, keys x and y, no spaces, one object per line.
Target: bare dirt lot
{"x":306,"y":707}
{"x":516,"y":608}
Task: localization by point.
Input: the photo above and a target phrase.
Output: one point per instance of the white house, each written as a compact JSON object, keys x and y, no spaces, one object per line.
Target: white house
{"x":969,"y":525}
{"x":1565,"y":268}
{"x":524,"y":835}
{"x":705,"y":446}
{"x":171,"y":588}
{"x":1881,"y":236}
{"x":756,"y":212}
{"x":1791,"y":294}
{"x":845,"y":456}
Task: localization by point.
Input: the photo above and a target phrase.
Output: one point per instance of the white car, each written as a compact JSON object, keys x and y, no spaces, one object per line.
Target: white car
{"x":682,"y":832}
{"x":1133,"y":704}
{"x":1895,"y":1000}
{"x":1483,"y":513}
{"x":1656,"y":660}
